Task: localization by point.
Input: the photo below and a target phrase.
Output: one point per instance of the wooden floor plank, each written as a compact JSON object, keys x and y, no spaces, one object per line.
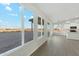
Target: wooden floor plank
{"x":59,"y":46}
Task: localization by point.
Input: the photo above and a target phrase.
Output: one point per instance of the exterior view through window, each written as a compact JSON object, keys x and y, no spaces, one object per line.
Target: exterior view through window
{"x":39,"y":26}
{"x":42,"y":26}
{"x":48,"y":27}
{"x":28,"y":25}
{"x":10,"y":27}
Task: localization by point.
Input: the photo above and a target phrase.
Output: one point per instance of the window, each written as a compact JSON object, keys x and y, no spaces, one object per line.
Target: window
{"x":42,"y":26}
{"x":48,"y":27}
{"x":39,"y":26}
{"x":10,"y":26}
{"x":28,"y":25}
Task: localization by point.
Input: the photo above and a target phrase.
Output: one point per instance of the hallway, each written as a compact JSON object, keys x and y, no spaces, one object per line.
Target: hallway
{"x":58,"y":46}
{"x":39,"y":29}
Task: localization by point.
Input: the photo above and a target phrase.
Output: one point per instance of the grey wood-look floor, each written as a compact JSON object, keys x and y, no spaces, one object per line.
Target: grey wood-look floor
{"x":58,"y":46}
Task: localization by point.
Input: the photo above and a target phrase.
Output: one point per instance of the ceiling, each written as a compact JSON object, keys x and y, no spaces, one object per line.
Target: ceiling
{"x":59,"y":11}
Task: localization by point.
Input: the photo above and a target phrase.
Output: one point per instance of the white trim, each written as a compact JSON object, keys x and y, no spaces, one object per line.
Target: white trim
{"x":22,"y":23}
